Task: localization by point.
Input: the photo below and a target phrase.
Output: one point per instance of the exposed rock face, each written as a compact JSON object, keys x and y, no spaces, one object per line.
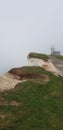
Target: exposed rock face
{"x":35,"y":62}
{"x":58,"y":64}
{"x":8,"y":81}
{"x":14,"y":76}
{"x":47,"y":65}
{"x":18,"y":75}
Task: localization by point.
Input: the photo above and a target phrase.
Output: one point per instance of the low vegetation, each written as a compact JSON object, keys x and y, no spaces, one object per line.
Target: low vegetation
{"x":33,"y":104}
{"x":38,"y":55}
{"x":60,"y":57}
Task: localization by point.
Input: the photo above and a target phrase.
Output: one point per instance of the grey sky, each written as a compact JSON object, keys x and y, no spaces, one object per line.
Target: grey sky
{"x":28,"y":25}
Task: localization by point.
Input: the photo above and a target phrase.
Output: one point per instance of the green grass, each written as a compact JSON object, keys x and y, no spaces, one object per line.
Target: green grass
{"x":41,"y":104}
{"x":59,"y":57}
{"x":38,"y":55}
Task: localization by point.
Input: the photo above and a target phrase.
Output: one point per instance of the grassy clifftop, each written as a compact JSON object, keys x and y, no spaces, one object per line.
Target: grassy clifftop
{"x":43,"y":56}
{"x":59,"y":57}
{"x":38,"y":55}
{"x":33,"y":104}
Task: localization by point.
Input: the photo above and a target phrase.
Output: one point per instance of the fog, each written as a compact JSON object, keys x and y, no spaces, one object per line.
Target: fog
{"x":28,"y":26}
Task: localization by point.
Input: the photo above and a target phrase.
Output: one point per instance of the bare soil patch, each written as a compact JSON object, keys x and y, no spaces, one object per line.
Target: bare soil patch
{"x":18,"y":72}
{"x":12,"y":103}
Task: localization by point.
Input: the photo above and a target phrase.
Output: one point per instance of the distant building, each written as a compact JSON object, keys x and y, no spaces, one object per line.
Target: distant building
{"x":54,"y":52}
